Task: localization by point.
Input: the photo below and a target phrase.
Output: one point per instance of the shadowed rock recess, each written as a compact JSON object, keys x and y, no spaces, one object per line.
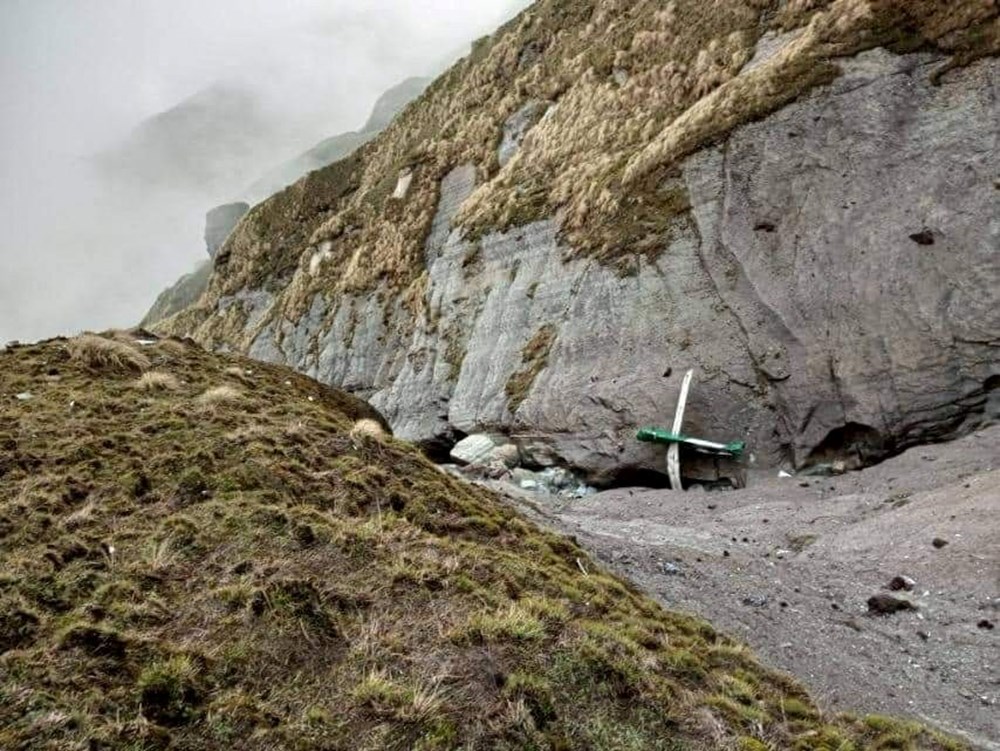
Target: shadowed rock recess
{"x":795,"y":199}
{"x":202,"y":552}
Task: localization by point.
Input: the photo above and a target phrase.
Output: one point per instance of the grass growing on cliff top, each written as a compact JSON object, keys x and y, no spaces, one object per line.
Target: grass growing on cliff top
{"x":636,"y":85}
{"x":269,"y":569}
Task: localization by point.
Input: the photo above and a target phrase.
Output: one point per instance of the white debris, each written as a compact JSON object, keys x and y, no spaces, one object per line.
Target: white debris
{"x":403,"y":185}
{"x":25,"y":396}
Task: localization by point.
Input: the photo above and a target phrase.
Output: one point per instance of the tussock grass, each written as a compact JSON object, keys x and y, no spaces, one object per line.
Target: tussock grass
{"x":368,"y":429}
{"x":256,"y":577}
{"x":157,"y":381}
{"x":219,"y":396}
{"x":102,"y":354}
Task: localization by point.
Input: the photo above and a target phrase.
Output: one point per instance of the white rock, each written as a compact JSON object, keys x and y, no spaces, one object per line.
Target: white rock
{"x":476,"y":449}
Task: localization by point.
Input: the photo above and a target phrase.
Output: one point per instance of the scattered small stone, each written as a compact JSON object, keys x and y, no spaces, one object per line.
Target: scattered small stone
{"x":725,"y":553}
{"x":783,"y":604}
{"x":712,"y":507}
{"x":835,"y":606}
{"x":888,"y":605}
{"x":986,"y":625}
{"x":902,"y":584}
{"x":755,"y":601}
{"x":671,"y":569}
{"x":939,"y":542}
{"x":25,"y":396}
{"x":923,"y":635}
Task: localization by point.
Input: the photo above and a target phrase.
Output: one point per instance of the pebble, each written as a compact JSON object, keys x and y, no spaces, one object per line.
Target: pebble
{"x":939,"y":542}
{"x":671,"y":569}
{"x":25,"y":396}
{"x":888,"y":605}
{"x":755,"y":601}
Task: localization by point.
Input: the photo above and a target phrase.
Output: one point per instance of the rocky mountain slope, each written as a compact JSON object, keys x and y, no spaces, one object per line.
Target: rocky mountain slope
{"x":796,"y":198}
{"x":221,"y":220}
{"x":200,"y":551}
{"x":186,"y":291}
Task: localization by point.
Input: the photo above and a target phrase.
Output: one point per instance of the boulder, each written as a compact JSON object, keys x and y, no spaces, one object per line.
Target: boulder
{"x":474,"y":450}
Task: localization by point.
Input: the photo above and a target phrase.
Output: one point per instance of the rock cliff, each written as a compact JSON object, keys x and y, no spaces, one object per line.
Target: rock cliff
{"x":221,"y":220}
{"x":798,"y":200}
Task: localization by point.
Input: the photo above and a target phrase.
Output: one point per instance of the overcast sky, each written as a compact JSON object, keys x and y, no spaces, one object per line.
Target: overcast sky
{"x":78,"y":77}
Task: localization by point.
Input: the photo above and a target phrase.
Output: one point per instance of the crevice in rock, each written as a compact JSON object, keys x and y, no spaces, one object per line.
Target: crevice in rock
{"x":438,"y":448}
{"x":851,"y":446}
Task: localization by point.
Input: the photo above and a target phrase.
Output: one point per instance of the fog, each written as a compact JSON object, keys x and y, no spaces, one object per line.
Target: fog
{"x":86,"y":248}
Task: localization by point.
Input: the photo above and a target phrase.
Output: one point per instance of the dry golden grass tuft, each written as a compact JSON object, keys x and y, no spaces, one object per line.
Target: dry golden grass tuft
{"x":101,"y":354}
{"x":157,"y":381}
{"x":172,"y":347}
{"x":219,"y":396}
{"x":363,"y":429}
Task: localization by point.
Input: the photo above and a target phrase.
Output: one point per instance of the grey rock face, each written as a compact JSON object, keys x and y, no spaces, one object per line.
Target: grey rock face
{"x":517,"y":127}
{"x":836,"y":287}
{"x":219,"y":224}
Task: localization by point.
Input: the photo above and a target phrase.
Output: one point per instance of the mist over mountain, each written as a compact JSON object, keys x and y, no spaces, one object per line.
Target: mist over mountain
{"x":206,"y":143}
{"x":123,"y":123}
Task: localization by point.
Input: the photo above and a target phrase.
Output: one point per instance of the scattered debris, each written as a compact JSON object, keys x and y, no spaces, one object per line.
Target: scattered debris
{"x":25,"y":396}
{"x":755,"y":601}
{"x":986,"y":625}
{"x":671,"y":569}
{"x":888,"y":605}
{"x":939,"y":542}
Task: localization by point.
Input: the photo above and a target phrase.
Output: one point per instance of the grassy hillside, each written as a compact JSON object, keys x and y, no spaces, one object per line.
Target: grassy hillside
{"x":636,"y":85}
{"x":201,"y":552}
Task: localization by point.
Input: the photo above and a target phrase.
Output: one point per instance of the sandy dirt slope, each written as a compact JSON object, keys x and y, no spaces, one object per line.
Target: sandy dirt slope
{"x":788,"y":565}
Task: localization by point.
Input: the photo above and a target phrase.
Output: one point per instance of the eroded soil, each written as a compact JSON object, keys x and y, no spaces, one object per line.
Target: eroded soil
{"x":788,"y":565}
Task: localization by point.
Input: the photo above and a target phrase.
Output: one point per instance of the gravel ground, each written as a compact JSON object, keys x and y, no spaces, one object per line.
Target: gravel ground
{"x":789,"y":564}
